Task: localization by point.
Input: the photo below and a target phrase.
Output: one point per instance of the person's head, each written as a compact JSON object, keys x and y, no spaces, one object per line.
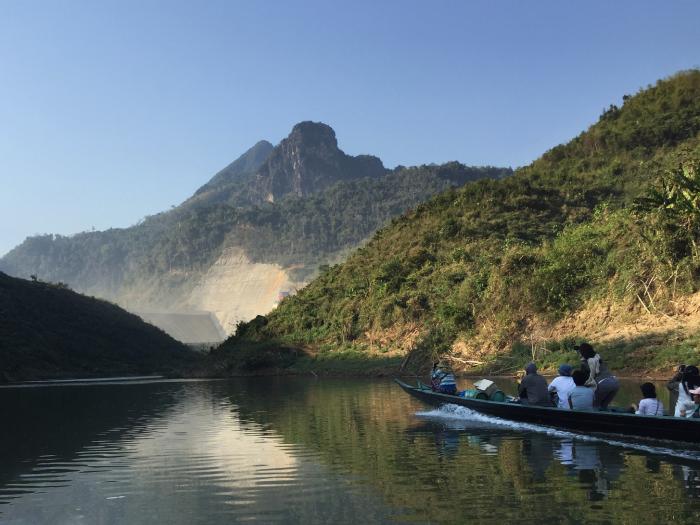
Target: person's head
{"x":585,"y":350}
{"x":565,"y":370}
{"x":648,"y":390}
{"x":444,"y":366}
{"x":691,"y":371}
{"x":579,"y":377}
{"x":530,"y":368}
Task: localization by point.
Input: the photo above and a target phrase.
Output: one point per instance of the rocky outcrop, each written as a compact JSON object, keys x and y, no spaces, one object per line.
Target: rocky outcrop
{"x":308,"y":161}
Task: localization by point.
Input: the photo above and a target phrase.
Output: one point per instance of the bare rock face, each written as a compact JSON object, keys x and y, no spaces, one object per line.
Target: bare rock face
{"x":308,"y":161}
{"x":235,"y":289}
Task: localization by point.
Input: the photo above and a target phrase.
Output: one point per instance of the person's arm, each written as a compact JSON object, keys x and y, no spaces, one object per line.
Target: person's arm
{"x":571,"y":405}
{"x":591,"y":371}
{"x":522,"y":387}
{"x":675,"y":381}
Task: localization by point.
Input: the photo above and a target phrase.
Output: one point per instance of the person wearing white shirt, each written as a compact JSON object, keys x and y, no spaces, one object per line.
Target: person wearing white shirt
{"x":650,"y":405}
{"x":563,"y":384}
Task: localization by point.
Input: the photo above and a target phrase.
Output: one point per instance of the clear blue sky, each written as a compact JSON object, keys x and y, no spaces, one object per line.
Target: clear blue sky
{"x":111,"y":111}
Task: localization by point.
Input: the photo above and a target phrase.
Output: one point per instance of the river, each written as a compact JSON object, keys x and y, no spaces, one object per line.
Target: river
{"x":304,"y":450}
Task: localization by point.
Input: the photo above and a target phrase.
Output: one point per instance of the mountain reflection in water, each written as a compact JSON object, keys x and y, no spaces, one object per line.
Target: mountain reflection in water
{"x":295,"y":450}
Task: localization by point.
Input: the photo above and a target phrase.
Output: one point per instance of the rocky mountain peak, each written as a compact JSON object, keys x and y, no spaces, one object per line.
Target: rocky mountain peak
{"x":313,"y":134}
{"x":309,"y":160}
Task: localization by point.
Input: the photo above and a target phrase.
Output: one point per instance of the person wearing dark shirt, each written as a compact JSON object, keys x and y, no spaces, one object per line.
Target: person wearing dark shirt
{"x":533,"y":388}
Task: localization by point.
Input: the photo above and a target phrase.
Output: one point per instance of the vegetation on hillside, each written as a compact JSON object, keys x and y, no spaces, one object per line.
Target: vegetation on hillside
{"x":48,"y":331}
{"x":300,"y":231}
{"x":612,"y":216}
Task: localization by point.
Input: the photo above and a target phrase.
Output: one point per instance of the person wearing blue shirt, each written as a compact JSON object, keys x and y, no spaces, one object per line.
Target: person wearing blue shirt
{"x":581,"y":397}
{"x":443,"y":380}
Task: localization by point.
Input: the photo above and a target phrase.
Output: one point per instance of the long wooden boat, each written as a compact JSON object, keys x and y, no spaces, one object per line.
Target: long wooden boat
{"x":586,"y":421}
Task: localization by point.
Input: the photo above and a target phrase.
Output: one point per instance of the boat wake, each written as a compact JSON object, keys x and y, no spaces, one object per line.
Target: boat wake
{"x":461,"y":418}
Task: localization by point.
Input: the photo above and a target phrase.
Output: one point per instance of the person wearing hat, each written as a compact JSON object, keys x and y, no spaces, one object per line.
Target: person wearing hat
{"x":562,"y":385}
{"x":442,"y":379}
{"x":533,"y":388}
{"x":600,"y":379}
{"x":695,"y":412}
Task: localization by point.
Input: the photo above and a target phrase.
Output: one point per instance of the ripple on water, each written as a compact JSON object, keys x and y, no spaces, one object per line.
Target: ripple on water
{"x":323,"y":453}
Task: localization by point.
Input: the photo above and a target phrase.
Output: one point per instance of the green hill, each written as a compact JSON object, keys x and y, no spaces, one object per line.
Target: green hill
{"x":596,"y":236}
{"x":48,"y":331}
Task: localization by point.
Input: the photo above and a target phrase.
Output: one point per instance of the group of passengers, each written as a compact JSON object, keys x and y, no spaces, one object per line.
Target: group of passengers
{"x":590,"y":387}
{"x":594,"y":387}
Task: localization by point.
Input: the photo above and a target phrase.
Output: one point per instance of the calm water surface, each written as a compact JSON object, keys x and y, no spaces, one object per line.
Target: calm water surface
{"x":293,"y":450}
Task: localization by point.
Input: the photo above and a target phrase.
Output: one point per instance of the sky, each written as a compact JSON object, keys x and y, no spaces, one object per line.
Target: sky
{"x":112,"y":111}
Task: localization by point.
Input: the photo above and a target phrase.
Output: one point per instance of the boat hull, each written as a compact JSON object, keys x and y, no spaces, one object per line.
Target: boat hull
{"x":590,"y":422}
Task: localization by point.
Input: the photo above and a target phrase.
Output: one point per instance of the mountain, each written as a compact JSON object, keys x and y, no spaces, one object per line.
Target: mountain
{"x":48,"y":331}
{"x":258,"y":230}
{"x":595,"y":240}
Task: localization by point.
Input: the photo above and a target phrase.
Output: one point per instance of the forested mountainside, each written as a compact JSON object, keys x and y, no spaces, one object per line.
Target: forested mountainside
{"x":596,"y":239}
{"x":259,"y":227}
{"x":48,"y":331}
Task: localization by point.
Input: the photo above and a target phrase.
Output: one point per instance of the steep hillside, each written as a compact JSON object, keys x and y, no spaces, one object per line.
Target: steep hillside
{"x":260,"y":227}
{"x":499,"y":271}
{"x":48,"y":331}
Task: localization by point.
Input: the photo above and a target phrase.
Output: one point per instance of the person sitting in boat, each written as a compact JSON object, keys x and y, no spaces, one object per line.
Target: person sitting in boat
{"x":562,"y":385}
{"x":689,"y":379}
{"x":533,"y":388}
{"x":442,"y":379}
{"x":580,"y":397}
{"x":599,"y":378}
{"x":695,"y":411}
{"x":650,"y":405}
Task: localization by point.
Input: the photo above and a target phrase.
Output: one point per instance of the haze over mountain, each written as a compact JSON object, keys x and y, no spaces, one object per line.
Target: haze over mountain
{"x":257,"y":230}
{"x":597,"y":239}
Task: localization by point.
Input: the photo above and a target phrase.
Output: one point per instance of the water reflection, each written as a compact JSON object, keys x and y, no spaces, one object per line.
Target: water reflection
{"x":295,"y":450}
